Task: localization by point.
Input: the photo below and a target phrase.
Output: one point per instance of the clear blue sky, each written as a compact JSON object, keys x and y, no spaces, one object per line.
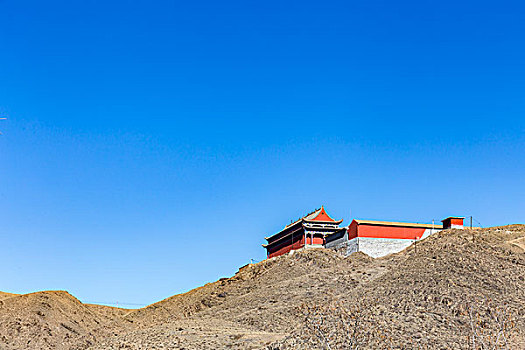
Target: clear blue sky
{"x":151,"y":145}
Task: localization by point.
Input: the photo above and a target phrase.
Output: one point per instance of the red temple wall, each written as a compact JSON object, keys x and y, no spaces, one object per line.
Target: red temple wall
{"x":352,"y":230}
{"x":316,"y":240}
{"x":393,"y":232}
{"x":286,"y":246}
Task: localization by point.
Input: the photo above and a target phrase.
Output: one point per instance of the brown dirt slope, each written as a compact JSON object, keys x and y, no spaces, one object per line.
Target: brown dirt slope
{"x":4,"y":295}
{"x":109,"y":312}
{"x":426,"y":298}
{"x":419,"y":297}
{"x":50,"y":320}
{"x":248,"y":311}
{"x":265,"y":294}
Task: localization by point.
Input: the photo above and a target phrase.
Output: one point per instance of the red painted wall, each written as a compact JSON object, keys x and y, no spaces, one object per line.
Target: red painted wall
{"x":316,"y":240}
{"x":447,"y":223}
{"x":286,"y":246}
{"x":456,"y":221}
{"x":352,"y":230}
{"x":394,"y":232}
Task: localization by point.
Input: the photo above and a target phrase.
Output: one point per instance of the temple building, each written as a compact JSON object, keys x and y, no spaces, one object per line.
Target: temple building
{"x":374,"y":238}
{"x":307,"y":232}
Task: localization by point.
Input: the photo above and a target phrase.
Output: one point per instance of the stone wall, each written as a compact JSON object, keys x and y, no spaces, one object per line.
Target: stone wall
{"x":343,"y":245}
{"x":377,"y":247}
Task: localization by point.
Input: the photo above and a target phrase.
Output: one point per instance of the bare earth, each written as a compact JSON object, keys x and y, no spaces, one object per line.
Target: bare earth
{"x":433,"y":295}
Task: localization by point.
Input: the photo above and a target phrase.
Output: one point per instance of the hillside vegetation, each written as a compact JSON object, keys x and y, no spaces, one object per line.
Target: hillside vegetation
{"x":457,"y":289}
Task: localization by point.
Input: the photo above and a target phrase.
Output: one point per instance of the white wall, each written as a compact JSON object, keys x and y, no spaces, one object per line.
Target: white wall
{"x":377,"y":247}
{"x":374,"y":247}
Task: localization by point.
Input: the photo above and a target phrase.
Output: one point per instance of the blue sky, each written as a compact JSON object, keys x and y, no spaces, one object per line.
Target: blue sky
{"x":151,"y":145}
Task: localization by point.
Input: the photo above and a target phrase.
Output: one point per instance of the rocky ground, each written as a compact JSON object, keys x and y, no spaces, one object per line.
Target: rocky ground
{"x":453,"y":288}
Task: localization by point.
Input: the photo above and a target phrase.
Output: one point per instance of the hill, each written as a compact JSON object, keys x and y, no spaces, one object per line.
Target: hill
{"x":438,"y":294}
{"x":4,"y":295}
{"x":51,"y":320}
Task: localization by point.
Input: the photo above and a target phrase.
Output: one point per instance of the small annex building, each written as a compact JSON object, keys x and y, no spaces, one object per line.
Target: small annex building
{"x":307,"y":232}
{"x":380,"y":238}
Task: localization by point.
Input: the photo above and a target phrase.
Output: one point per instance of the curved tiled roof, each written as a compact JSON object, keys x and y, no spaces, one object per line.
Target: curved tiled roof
{"x":318,"y":215}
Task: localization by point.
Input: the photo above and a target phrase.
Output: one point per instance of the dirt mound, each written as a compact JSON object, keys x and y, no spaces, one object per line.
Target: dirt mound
{"x":189,"y":334}
{"x":249,"y":310}
{"x":266,"y":295}
{"x":50,"y":320}
{"x":109,"y":312}
{"x":4,"y":295}
{"x":435,"y":293}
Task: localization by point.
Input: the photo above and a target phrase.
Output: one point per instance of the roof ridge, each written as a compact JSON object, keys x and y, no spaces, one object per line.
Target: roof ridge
{"x":315,"y":216}
{"x":304,"y":216}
